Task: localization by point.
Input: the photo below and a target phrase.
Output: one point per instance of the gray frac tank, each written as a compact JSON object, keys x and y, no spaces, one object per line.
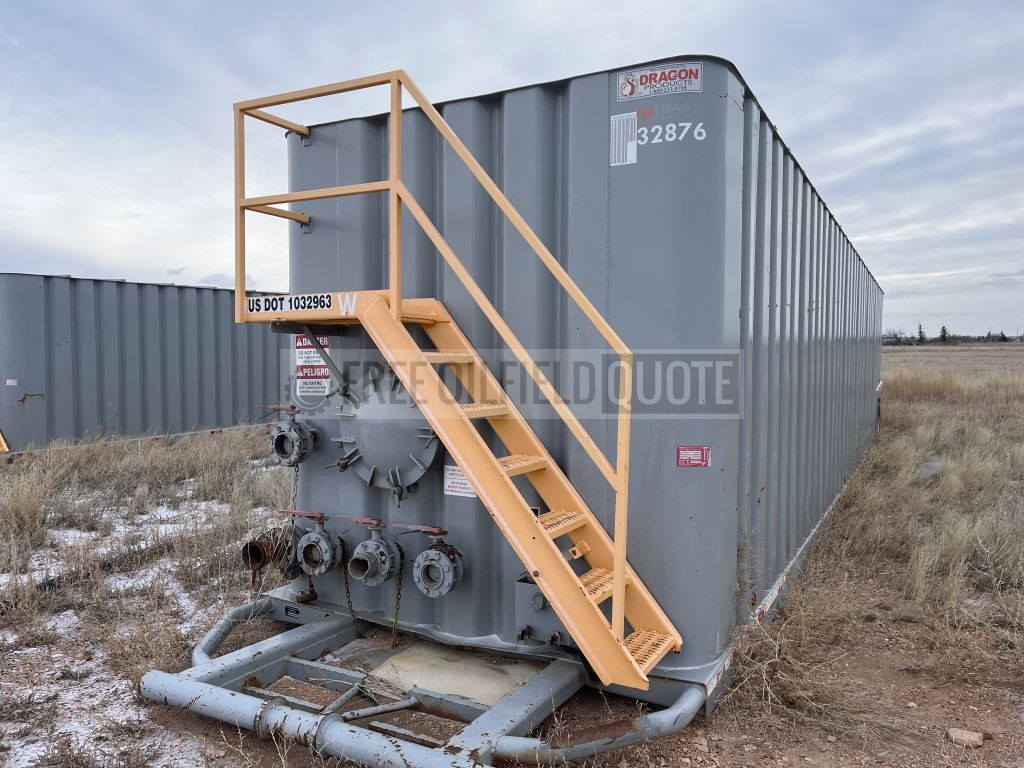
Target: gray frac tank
{"x":82,"y":358}
{"x":681,"y":214}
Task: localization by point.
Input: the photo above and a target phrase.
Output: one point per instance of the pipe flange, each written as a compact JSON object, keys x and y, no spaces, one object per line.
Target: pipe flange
{"x":436,"y":572}
{"x":290,"y":443}
{"x":317,"y":553}
{"x":278,"y":547}
{"x":373,"y":562}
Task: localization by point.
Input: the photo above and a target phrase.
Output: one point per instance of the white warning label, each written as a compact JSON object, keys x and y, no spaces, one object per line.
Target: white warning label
{"x":623,"y":139}
{"x":312,"y":379}
{"x":455,"y":482}
{"x":676,"y":77}
{"x":306,"y":353}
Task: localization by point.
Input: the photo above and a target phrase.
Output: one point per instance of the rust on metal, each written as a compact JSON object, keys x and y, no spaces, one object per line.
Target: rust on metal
{"x":430,"y":530}
{"x":317,"y":516}
{"x":373,"y":522}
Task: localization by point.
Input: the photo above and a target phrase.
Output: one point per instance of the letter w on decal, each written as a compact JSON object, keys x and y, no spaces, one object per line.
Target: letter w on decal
{"x":347,"y":303}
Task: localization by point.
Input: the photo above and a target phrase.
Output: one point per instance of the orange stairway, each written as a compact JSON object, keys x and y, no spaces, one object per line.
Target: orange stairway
{"x":606,"y":609}
{"x":575,"y":597}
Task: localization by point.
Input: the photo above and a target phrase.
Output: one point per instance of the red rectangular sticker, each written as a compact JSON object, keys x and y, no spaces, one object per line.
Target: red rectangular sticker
{"x":693,"y":455}
{"x":312,"y":372}
{"x":303,"y":342}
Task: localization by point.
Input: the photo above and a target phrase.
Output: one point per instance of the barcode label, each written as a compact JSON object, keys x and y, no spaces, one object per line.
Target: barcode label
{"x":623,"y":148}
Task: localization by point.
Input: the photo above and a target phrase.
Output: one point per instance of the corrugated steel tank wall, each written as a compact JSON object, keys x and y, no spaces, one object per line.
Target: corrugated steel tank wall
{"x":718,"y":244}
{"x":810,"y":331}
{"x":81,"y":357}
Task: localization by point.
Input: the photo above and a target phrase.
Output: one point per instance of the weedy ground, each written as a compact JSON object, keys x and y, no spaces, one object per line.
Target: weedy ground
{"x":907,"y":618}
{"x":114,"y":558}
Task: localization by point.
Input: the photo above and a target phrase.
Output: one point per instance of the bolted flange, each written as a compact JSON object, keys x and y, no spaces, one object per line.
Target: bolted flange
{"x":436,"y":571}
{"x":318,"y":552}
{"x":291,"y":443}
{"x":374,"y":561}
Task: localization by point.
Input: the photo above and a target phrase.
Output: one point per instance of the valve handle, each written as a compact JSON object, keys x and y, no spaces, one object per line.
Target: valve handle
{"x":269,"y":409}
{"x":318,"y":516}
{"x":369,"y":522}
{"x":429,"y":530}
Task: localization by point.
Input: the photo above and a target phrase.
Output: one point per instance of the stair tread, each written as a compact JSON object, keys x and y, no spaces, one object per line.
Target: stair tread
{"x":520,"y":463}
{"x":559,"y":521}
{"x":449,"y":356}
{"x":597,"y":583}
{"x":647,"y":647}
{"x":485,"y":409}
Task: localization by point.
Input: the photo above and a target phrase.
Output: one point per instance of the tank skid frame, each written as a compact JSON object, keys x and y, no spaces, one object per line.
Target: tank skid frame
{"x":234,"y":688}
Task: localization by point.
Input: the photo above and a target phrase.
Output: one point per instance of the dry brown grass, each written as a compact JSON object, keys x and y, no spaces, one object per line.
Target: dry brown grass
{"x":952,"y":535}
{"x":151,"y":640}
{"x":63,"y":751}
{"x":928,"y":533}
{"x":109,"y":578}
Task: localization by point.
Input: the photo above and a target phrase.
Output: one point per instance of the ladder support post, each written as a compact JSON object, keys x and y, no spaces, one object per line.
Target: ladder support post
{"x":239,"y":215}
{"x":622,"y":496}
{"x":394,"y":202}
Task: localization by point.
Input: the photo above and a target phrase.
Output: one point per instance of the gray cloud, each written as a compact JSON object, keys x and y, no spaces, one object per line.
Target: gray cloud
{"x":115,"y":120}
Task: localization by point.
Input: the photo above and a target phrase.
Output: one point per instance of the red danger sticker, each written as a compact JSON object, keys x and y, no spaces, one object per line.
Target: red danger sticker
{"x":303,"y":342}
{"x":693,"y":455}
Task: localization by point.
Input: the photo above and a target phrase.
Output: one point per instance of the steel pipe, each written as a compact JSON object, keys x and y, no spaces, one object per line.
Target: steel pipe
{"x":380,"y":709}
{"x":326,"y":734}
{"x":210,"y":642}
{"x":603,"y":738}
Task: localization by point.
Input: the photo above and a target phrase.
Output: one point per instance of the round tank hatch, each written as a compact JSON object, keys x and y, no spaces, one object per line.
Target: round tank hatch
{"x":386,"y":439}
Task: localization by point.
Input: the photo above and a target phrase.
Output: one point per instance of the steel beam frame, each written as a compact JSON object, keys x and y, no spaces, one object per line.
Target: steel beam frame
{"x":233,"y":689}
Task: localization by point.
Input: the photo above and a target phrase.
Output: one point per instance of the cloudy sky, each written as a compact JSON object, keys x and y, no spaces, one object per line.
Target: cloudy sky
{"x":115,"y":132}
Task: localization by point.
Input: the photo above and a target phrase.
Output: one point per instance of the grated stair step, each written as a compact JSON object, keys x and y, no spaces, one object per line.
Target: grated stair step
{"x":647,"y":647}
{"x":597,"y":583}
{"x":453,"y":357}
{"x":485,"y":410}
{"x":558,"y":522}
{"x":520,"y":464}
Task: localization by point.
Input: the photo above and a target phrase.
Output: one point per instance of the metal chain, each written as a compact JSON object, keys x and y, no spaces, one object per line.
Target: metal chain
{"x":348,"y":589}
{"x":398,"y":595}
{"x":295,"y":485}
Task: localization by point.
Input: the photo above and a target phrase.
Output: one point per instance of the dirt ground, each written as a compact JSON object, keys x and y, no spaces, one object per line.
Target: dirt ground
{"x":907,"y":619}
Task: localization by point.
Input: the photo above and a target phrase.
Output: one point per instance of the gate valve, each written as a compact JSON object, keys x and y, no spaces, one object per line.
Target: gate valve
{"x":438,"y":569}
